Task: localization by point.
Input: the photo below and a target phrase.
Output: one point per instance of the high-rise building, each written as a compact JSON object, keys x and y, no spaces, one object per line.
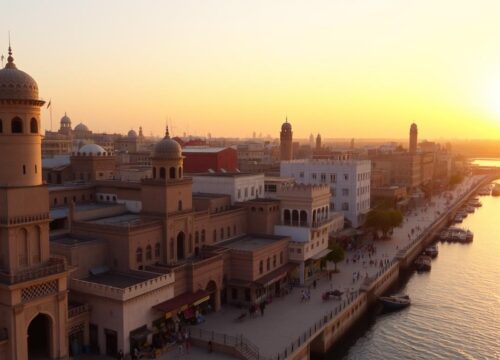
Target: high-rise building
{"x":33,"y":286}
{"x":286,"y":137}
{"x":413,"y":138}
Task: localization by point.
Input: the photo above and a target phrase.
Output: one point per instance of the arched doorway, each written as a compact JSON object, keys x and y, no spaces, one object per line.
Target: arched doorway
{"x":180,"y":245}
{"x":212,"y":290}
{"x":39,"y":334}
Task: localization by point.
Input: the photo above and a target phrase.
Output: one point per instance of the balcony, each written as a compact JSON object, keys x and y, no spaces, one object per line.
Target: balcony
{"x":312,"y":225}
{"x":77,"y":309}
{"x":53,"y":266}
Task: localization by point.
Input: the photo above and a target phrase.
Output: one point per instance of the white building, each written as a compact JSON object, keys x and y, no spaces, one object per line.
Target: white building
{"x":349,"y":182}
{"x":240,"y":186}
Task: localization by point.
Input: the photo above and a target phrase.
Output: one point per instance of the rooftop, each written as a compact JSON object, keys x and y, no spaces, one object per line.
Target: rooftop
{"x":128,"y":219}
{"x":251,"y":242}
{"x":209,"y":196}
{"x":202,"y":149}
{"x":121,"y":280}
{"x":69,"y":240}
{"x":62,"y":212}
{"x":225,"y":174}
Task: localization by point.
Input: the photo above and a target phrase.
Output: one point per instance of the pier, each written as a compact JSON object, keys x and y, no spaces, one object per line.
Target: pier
{"x":291,"y":329}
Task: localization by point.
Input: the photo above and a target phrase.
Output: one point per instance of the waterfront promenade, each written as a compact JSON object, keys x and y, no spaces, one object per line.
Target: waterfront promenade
{"x":287,"y":318}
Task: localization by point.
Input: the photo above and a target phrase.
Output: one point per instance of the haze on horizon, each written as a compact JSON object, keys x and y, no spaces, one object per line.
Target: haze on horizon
{"x":363,"y":69}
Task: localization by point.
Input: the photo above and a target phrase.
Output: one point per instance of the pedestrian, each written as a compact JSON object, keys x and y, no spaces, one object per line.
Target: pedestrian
{"x":187,"y":341}
{"x":210,"y":347}
{"x":314,"y":284}
{"x":262,"y":307}
{"x":120,"y":355}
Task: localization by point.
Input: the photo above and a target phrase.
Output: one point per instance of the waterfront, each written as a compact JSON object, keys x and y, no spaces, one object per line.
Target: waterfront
{"x":456,"y":307}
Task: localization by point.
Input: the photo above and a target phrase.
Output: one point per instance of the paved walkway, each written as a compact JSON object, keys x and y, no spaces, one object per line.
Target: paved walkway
{"x":287,"y":318}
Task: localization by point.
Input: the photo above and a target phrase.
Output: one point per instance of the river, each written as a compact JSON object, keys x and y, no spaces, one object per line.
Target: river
{"x":455,"y":311}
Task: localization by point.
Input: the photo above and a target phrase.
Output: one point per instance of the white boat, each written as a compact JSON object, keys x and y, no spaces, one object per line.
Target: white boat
{"x":395,"y":302}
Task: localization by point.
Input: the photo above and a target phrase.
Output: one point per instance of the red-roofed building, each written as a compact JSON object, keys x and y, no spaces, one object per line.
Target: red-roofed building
{"x":201,"y":159}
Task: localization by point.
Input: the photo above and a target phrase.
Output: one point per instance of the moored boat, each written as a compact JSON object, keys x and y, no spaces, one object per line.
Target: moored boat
{"x":431,"y":251}
{"x":395,"y":302}
{"x":423,"y":263}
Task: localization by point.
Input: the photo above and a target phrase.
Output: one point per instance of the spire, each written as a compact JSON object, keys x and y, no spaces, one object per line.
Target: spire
{"x":10,"y":60}
{"x":167,"y":134}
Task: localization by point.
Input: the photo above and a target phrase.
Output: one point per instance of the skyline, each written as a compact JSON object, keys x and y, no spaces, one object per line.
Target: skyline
{"x":230,"y":68}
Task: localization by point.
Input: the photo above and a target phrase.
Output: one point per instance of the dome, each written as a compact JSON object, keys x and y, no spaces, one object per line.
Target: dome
{"x":16,"y":84}
{"x":65,"y":120}
{"x":92,"y":149}
{"x":286,"y":126}
{"x":81,"y":127}
{"x":167,"y":148}
{"x":132,"y":134}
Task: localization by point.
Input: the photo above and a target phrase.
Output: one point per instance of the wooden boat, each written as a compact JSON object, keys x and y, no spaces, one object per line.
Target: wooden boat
{"x":395,"y":302}
{"x":423,"y":263}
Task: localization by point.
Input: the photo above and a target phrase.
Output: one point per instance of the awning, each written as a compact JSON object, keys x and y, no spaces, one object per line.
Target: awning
{"x":182,"y":302}
{"x":275,"y":275}
{"x":321,"y":254}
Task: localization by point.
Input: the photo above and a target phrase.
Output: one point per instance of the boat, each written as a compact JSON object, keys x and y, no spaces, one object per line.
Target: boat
{"x":423,"y":263}
{"x":395,"y":302}
{"x":496,"y":190}
{"x":470,"y":209}
{"x":431,"y":251}
{"x":469,"y":236}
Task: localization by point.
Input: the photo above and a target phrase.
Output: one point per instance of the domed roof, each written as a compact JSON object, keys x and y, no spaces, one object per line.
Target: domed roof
{"x":132,"y":134}
{"x":167,"y":148}
{"x":81,"y":127}
{"x":92,"y":149}
{"x":286,"y":126}
{"x":16,"y":84}
{"x":65,"y":119}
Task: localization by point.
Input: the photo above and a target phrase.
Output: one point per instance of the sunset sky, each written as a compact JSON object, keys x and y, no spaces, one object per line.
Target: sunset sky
{"x":350,"y":68}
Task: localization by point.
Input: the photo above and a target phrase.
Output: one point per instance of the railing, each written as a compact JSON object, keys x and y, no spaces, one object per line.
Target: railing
{"x":14,"y":220}
{"x":53,"y":266}
{"x":245,"y":347}
{"x":77,"y":310}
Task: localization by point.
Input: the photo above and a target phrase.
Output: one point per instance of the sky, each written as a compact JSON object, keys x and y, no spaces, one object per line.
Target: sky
{"x":342,"y":68}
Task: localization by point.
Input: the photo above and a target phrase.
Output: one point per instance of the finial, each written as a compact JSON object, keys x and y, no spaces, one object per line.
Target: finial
{"x":167,"y":134}
{"x":10,"y":59}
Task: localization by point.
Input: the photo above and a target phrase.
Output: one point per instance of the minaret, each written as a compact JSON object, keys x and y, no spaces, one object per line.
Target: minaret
{"x":311,"y":141}
{"x":286,"y":137}
{"x":32,"y":284}
{"x":318,"y":142}
{"x":413,"y":138}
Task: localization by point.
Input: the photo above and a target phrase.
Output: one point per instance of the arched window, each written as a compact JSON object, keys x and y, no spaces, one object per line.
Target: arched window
{"x":172,"y":173}
{"x":222,"y":233}
{"x":162,"y":173}
{"x":157,"y":250}
{"x":17,"y":126}
{"x":180,"y":172}
{"x":1,"y":126}
{"x":215,"y":236}
{"x":148,"y":252}
{"x":228,"y":231}
{"x":203,"y":235}
{"x":154,"y":173}
{"x":179,"y":205}
{"x":34,"y":126}
{"x":196,"y":237}
{"x":138,"y":255}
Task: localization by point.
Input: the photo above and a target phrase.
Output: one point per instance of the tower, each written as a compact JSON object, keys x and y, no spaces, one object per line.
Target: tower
{"x":33,"y":286}
{"x":413,"y":138}
{"x":286,"y":137}
{"x":318,"y":142}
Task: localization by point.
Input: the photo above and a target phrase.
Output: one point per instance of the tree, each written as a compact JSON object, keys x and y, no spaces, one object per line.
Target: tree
{"x":384,"y":220}
{"x":337,"y":254}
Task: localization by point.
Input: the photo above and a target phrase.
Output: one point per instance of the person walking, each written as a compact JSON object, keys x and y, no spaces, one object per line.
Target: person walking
{"x":262,"y":307}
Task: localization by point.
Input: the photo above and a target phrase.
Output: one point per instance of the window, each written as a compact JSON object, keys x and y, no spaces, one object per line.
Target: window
{"x":274,"y":261}
{"x":221,"y":233}
{"x":24,"y":169}
{"x":261,"y":267}
{"x":228,"y":231}
{"x":34,"y":126}
{"x":314,"y":176}
{"x":323,"y":177}
{"x":154,"y":173}
{"x":268,"y":264}
{"x":172,"y":173}
{"x":214,"y":236}
{"x":246,"y":193}
{"x":234,"y":293}
{"x":345,"y":206}
{"x":252,"y":191}
{"x":239,"y":194}
{"x":17,"y":126}
{"x":162,"y":173}
{"x":346,"y":177}
{"x":202,"y":236}
{"x":36,"y":169}
{"x":148,"y":252}
{"x":1,"y":126}
{"x":345,"y":192}
{"x":301,"y":174}
{"x":281,"y":258}
{"x":196,"y":237}
{"x":138,"y":255}
{"x":157,"y":250}
{"x":179,"y":172}
{"x":333,"y":178}
{"x":179,"y":205}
